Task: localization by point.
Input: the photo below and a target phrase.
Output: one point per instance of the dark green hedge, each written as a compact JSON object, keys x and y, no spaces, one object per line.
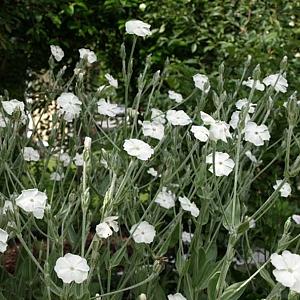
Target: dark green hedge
{"x":200,"y":33}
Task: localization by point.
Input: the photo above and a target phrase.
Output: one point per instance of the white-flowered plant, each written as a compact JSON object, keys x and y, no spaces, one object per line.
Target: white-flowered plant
{"x":152,"y":172}
{"x":256,"y":134}
{"x":287,"y":269}
{"x":57,"y":52}
{"x":218,"y":130}
{"x":55,"y":176}
{"x":165,"y":198}
{"x":108,"y":109}
{"x":138,"y":28}
{"x":242,"y":103}
{"x":285,"y":189}
{"x":71,"y":268}
{"x":177,"y":97}
{"x":256,"y":84}
{"x":88,"y":54}
{"x":78,"y":159}
{"x":158,"y":116}
{"x":235,"y":119}
{"x":138,"y":148}
{"x":201,"y":133}
{"x":277,"y":81}
{"x":187,"y":205}
{"x":65,"y":159}
{"x":30,"y":154}
{"x":186,"y":237}
{"x":69,"y":106}
{"x":177,"y":296}
{"x":221,"y":163}
{"x":178,"y":117}
{"x":143,"y":232}
{"x":32,"y":201}
{"x":132,"y":148}
{"x":201,"y":82}
{"x":112,"y":81}
{"x":105,"y":229}
{"x":153,"y":129}
{"x":3,"y":240}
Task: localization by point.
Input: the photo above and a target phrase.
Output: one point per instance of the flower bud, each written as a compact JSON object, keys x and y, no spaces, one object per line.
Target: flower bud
{"x":123,"y":51}
{"x":142,"y":297}
{"x":142,"y":6}
{"x":248,"y":61}
{"x":283,"y":64}
{"x":256,"y":72}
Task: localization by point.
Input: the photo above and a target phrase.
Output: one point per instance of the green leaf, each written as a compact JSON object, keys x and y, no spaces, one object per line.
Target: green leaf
{"x":212,"y":286}
{"x":234,"y":291}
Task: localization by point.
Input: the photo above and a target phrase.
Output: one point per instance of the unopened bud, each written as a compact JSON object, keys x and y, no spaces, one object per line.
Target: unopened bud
{"x":283,"y":64}
{"x":256,"y":72}
{"x":142,"y":297}
{"x":123,"y":51}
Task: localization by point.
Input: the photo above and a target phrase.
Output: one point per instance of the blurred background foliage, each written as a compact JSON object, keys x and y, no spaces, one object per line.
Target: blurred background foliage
{"x":198,"y":33}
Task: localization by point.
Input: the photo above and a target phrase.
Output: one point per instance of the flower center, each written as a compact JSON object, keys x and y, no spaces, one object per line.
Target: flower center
{"x":31,"y":200}
{"x":72,"y":268}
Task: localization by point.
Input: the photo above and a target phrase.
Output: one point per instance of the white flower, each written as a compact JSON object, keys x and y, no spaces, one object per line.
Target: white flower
{"x":3,"y":121}
{"x":256,"y":134}
{"x":177,"y":296}
{"x":219,"y":130}
{"x":157,"y":116}
{"x":3,"y":240}
{"x":235,"y":118}
{"x":30,"y":154}
{"x":65,"y":159}
{"x":285,"y":190}
{"x":7,"y":206}
{"x":178,"y":117}
{"x":250,"y":82}
{"x":69,"y":106}
{"x":175,"y":96}
{"x":138,"y":148}
{"x":223,"y":163}
{"x":287,"y":270}
{"x":33,"y":201}
{"x":201,"y":133}
{"x":72,"y":267}
{"x":88,"y":54}
{"x":206,"y":118}
{"x":244,"y":102}
{"x":251,"y":156}
{"x":165,"y":198}
{"x":153,"y":129}
{"x":186,"y":237}
{"x":112,"y":81}
{"x":143,"y":232}
{"x":201,"y":81}
{"x":187,"y":205}
{"x":13,"y":105}
{"x":55,"y":176}
{"x":279,"y":83}
{"x":108,"y":109}
{"x":57,"y":52}
{"x":296,"y":218}
{"x":103,"y":229}
{"x":138,"y":28}
{"x":152,"y":172}
{"x":78,"y":159}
